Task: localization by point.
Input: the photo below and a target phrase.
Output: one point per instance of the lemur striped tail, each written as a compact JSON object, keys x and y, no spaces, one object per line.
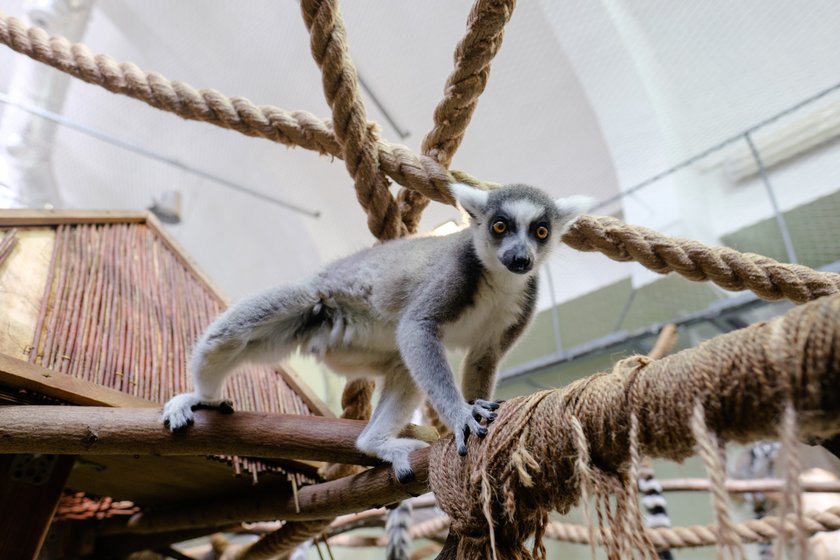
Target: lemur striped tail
{"x":653,"y":502}
{"x":397,"y":530}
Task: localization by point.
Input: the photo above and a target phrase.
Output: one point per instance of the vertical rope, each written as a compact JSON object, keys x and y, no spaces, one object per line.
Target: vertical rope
{"x":473,"y":55}
{"x":358,"y":138}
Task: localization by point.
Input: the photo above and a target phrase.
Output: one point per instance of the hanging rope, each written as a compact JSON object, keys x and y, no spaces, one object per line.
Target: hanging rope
{"x":296,"y":128}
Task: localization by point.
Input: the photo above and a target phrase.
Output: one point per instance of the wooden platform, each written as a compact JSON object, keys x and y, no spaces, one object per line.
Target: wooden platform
{"x":76,"y":278}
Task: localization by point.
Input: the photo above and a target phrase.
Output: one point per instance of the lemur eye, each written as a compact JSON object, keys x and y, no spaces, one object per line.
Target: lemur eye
{"x":541,"y":232}
{"x":499,"y":226}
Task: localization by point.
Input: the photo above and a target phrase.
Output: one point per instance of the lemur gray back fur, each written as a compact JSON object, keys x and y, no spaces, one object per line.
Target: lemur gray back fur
{"x":391,"y":310}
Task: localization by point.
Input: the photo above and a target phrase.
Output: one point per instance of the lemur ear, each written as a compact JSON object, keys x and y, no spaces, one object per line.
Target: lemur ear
{"x":471,"y":199}
{"x":571,"y":208}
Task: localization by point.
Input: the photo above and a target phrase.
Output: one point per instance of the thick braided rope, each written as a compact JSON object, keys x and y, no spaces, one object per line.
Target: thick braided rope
{"x":360,"y":151}
{"x":726,"y":267}
{"x":729,"y":269}
{"x":473,"y":54}
{"x":282,"y":542}
{"x":358,"y":138}
{"x":737,"y":377}
{"x":297,"y":128}
{"x":752,"y":531}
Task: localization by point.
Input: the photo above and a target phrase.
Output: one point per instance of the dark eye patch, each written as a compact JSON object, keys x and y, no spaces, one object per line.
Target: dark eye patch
{"x":509,"y":225}
{"x":536,"y":228}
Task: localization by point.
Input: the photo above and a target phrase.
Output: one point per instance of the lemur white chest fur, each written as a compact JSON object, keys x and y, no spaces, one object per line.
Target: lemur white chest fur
{"x":391,"y":310}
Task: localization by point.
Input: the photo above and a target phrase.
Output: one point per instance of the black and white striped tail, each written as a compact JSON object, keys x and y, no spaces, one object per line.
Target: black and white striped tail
{"x":653,"y":502}
{"x":397,"y":529}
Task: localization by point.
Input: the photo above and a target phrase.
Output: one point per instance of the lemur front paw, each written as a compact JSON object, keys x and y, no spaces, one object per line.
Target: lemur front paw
{"x":178,"y":411}
{"x":475,"y":412}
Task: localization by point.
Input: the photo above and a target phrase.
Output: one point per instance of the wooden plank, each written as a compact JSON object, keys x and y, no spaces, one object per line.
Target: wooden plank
{"x":27,"y":503}
{"x":372,"y":488}
{"x":123,"y":431}
{"x":157,"y":482}
{"x":20,"y":374}
{"x":22,"y":279}
{"x":298,"y":385}
{"x":28,"y":217}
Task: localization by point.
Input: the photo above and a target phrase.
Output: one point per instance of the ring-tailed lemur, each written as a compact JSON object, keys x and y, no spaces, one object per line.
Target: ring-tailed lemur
{"x":390,"y":310}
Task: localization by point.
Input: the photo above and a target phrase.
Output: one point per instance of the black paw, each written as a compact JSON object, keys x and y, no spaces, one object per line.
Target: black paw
{"x":182,"y":428}
{"x":406,"y":477}
{"x":225,"y":407}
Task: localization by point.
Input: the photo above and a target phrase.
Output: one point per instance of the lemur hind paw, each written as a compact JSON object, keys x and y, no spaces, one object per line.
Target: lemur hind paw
{"x":178,"y":411}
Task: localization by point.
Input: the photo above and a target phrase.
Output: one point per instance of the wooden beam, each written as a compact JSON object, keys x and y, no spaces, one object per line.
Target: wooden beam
{"x":124,"y":431}
{"x":371,"y":488}
{"x":305,"y":392}
{"x":24,"y":375}
{"x":28,"y":217}
{"x":29,"y":491}
{"x":20,"y":374}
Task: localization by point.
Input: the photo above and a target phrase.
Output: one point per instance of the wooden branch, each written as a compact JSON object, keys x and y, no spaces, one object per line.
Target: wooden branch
{"x":369,"y":489}
{"x":668,"y":337}
{"x":124,"y":431}
{"x":735,"y":486}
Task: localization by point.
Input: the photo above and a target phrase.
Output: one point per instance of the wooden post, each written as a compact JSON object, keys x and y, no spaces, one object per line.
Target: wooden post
{"x":30,"y":486}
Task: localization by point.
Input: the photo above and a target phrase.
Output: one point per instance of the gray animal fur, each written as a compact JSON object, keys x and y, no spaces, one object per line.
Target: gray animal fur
{"x":389,"y":311}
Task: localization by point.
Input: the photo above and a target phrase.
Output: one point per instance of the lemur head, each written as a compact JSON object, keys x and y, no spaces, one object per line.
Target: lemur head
{"x":515,"y":227}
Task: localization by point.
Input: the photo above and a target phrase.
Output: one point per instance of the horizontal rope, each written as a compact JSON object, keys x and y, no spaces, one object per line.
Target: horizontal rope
{"x":692,"y":536}
{"x":726,"y":267}
{"x":295,"y":128}
{"x":752,"y":531}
